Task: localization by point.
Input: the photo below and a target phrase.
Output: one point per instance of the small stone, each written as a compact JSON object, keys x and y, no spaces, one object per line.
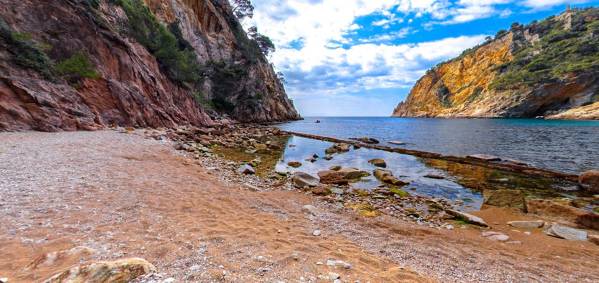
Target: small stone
{"x":3,"y":280}
{"x":335,"y":168}
{"x":295,"y":255}
{"x":309,"y":209}
{"x":334,"y":276}
{"x":527,"y":224}
{"x":449,"y":227}
{"x":527,"y":233}
{"x":397,"y":142}
{"x":594,"y":239}
{"x":247,"y":169}
{"x":316,"y":233}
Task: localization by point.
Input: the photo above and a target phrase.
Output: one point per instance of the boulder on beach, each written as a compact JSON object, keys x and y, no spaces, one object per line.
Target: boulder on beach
{"x":301,"y":180}
{"x":341,"y":176}
{"x":469,"y":218}
{"x":123,"y":270}
{"x":562,"y":210}
{"x":564,"y":232}
{"x":504,"y":198}
{"x":533,"y":224}
{"x":378,"y":162}
{"x":589,"y":181}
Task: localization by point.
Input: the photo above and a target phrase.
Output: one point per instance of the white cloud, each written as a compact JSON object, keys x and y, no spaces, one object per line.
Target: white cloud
{"x":542,"y":4}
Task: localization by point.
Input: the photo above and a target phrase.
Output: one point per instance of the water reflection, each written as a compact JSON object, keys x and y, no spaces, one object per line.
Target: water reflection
{"x":462,"y":184}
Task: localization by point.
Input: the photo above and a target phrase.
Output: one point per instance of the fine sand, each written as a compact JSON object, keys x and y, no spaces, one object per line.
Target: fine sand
{"x":122,"y":195}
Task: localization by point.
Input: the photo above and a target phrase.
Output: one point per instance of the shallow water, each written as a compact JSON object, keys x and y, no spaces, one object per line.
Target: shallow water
{"x":463,"y":184}
{"x":567,"y":146}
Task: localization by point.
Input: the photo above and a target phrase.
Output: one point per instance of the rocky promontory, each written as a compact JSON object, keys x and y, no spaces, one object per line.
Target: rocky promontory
{"x":548,"y":68}
{"x":87,"y":64}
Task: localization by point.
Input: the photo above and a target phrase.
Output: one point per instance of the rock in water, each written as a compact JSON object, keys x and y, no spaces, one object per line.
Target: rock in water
{"x":341,"y":176}
{"x":378,"y":162}
{"x":527,"y":224}
{"x":387,"y":177}
{"x":338,"y":148}
{"x":564,"y":232}
{"x":590,"y":181}
{"x":467,"y":217}
{"x":366,"y":140}
{"x":397,"y":142}
{"x":484,"y":157}
{"x":302,"y":180}
{"x":294,"y":164}
{"x":247,"y":169}
{"x":123,"y":270}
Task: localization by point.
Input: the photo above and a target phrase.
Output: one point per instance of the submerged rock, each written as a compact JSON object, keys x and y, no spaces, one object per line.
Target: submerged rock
{"x":504,"y":198}
{"x":301,"y":180}
{"x":366,"y":140}
{"x":564,"y":232}
{"x":123,"y":270}
{"x":294,"y":164}
{"x":467,"y":217}
{"x":378,"y":162}
{"x":590,"y":181}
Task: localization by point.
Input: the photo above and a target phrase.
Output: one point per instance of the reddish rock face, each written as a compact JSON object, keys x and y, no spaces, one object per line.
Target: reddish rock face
{"x":466,"y":86}
{"x":132,"y":89}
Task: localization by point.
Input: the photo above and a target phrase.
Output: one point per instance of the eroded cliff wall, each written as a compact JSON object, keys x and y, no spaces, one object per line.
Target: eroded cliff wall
{"x":78,"y":64}
{"x":548,"y":68}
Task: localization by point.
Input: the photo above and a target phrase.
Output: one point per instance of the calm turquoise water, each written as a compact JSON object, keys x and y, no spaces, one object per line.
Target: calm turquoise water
{"x":568,"y":146}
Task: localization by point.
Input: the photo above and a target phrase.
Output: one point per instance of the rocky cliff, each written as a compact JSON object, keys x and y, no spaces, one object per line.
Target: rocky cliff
{"x":87,"y":64}
{"x":548,"y":68}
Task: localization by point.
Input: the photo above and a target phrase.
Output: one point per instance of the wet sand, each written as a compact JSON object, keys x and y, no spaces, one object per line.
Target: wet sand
{"x":122,"y":195}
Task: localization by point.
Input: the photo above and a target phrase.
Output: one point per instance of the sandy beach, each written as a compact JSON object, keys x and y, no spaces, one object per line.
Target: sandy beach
{"x":76,"y":197}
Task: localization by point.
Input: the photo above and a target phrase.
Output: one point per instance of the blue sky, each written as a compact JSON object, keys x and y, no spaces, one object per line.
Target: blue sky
{"x":361,"y":57}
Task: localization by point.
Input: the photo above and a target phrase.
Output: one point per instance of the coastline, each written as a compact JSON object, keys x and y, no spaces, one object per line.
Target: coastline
{"x":205,"y":203}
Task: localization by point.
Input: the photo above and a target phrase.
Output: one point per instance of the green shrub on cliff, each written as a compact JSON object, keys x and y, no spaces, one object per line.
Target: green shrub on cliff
{"x":25,"y":51}
{"x":175,"y":56}
{"x":76,"y":67}
{"x":558,"y":53}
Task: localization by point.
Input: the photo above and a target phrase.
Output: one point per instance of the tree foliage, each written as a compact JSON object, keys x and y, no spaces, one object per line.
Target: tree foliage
{"x":264,"y":42}
{"x":243,"y":9}
{"x":175,"y":55}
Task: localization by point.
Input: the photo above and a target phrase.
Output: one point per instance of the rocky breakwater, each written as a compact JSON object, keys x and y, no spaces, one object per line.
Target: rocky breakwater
{"x":547,"y":68}
{"x":69,"y":65}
